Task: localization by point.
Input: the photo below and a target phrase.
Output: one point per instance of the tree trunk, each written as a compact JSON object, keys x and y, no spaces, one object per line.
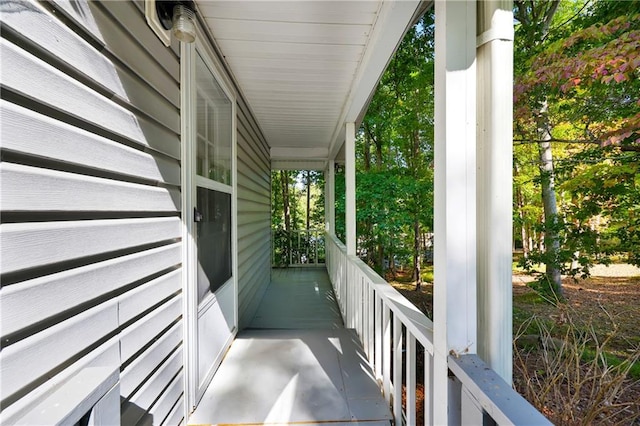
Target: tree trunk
{"x":392,"y":265}
{"x":381,"y":258}
{"x":308,"y":200}
{"x":526,"y":246}
{"x":547,"y":183}
{"x":416,"y":254}
{"x":378,"y":145}
{"x":284,"y":179}
{"x":392,"y":260}
{"x":533,"y":239}
{"x":520,"y":205}
{"x":368,"y":226}
{"x":367,"y":150}
{"x":415,"y":164}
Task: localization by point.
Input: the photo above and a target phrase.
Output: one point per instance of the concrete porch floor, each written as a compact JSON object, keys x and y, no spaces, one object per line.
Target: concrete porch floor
{"x":297,"y":364}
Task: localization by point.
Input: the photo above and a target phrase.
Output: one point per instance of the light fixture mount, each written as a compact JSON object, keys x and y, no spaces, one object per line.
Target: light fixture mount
{"x":164,"y":9}
{"x":179,"y":17}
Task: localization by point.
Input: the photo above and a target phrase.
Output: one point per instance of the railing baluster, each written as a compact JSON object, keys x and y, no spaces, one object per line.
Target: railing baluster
{"x":397,"y":369}
{"x":386,"y":357}
{"x":364,"y":328}
{"x":378,"y":330}
{"x":379,"y":314}
{"x":470,"y":409}
{"x":354,"y":301}
{"x":371,"y":321}
{"x":290,"y":240}
{"x":351,"y":284}
{"x":360,"y":309}
{"x":411,"y":380}
{"x":428,"y":388}
{"x":343,"y":280}
{"x":352,"y":296}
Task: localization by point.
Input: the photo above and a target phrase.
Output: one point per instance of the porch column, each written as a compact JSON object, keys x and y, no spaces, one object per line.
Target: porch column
{"x":495,"y":176}
{"x":330,"y":198}
{"x":350,"y":188}
{"x":454,"y":295}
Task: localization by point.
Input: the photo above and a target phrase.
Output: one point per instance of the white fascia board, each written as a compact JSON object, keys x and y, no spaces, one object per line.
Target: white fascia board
{"x":295,"y":153}
{"x":393,"y":20}
{"x":318,"y":165}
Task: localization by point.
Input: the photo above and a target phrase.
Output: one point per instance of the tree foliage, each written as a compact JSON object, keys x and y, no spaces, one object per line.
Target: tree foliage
{"x":395,"y":159}
{"x":586,"y":68}
{"x":577,"y":89}
{"x":297,"y":204}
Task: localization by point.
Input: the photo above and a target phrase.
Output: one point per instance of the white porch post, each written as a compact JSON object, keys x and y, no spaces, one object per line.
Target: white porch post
{"x":495,"y":175}
{"x":330,"y":198}
{"x":455,"y":301}
{"x":350,"y":188}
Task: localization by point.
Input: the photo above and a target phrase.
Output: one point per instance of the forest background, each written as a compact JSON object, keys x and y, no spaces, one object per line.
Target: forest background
{"x":576,"y":148}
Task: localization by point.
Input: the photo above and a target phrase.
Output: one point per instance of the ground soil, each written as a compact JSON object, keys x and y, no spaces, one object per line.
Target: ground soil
{"x":609,"y":301}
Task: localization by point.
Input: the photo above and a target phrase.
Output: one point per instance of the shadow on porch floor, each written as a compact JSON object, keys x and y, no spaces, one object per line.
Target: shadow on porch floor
{"x":296,"y":365}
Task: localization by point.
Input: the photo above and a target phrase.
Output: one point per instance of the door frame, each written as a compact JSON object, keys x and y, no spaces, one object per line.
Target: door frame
{"x":188,"y":189}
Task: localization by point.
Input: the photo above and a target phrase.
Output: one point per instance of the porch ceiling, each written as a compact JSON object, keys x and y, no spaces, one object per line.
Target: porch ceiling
{"x":307,"y":67}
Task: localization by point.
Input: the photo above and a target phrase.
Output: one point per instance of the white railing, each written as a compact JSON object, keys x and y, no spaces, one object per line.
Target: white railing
{"x":390,"y":328}
{"x":298,"y":247}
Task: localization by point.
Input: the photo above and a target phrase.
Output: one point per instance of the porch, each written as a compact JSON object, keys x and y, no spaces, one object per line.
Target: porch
{"x":99,"y":253}
{"x":308,"y":103}
{"x":298,"y":362}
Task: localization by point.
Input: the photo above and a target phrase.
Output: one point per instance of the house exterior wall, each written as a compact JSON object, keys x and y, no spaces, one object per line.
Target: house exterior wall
{"x":254,"y":216}
{"x":91,"y":259}
{"x":91,"y":252}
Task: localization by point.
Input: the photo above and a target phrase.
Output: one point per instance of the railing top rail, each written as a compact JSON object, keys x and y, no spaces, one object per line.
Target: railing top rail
{"x":416,"y":322}
{"x":318,"y":230}
{"x":497,"y":397}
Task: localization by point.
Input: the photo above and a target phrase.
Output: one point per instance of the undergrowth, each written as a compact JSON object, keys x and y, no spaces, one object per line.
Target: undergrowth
{"x":571,"y":375}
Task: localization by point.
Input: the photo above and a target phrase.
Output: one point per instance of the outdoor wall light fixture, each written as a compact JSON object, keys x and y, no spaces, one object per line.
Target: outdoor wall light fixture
{"x":178,"y":16}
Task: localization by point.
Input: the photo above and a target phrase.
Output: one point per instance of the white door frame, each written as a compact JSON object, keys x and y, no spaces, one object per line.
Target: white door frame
{"x":188,"y":189}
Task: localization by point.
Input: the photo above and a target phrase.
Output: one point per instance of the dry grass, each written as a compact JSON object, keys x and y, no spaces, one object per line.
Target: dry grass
{"x":573,"y":379}
{"x":575,"y":372}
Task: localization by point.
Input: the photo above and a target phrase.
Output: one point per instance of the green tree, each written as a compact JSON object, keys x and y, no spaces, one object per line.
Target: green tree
{"x":535,"y":18}
{"x":395,"y":155}
{"x":579,"y":84}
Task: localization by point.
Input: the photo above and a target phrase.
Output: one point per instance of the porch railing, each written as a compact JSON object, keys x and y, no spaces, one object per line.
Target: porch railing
{"x":392,"y":328}
{"x":300,"y":247}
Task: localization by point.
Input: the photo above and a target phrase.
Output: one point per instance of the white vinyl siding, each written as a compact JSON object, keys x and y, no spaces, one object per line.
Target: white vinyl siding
{"x":254,"y":216}
{"x":91,"y":251}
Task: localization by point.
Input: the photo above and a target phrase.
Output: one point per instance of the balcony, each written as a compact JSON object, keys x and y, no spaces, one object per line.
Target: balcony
{"x":342,"y":346}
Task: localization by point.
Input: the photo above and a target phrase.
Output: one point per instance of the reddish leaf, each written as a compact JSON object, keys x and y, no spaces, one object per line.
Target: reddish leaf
{"x":619,"y":77}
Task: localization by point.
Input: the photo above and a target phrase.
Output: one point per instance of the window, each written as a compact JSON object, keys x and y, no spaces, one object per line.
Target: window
{"x":214,"y":138}
{"x":214,"y":240}
{"x":213,"y":170}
